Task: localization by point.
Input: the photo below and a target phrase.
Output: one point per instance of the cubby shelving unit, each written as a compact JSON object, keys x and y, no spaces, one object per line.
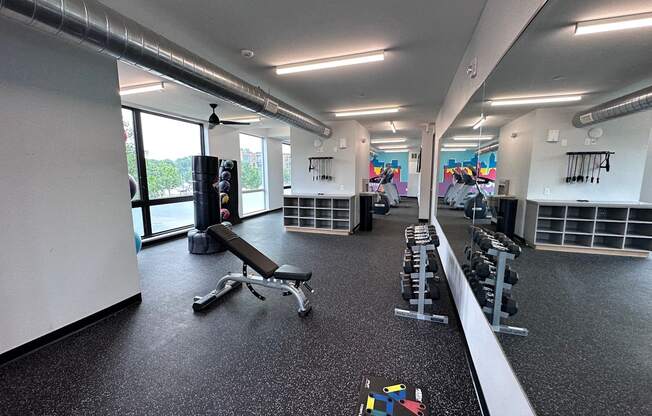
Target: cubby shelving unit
{"x":590,"y":227}
{"x":329,"y":214}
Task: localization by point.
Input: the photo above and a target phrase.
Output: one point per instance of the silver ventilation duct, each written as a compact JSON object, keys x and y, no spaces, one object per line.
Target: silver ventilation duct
{"x":89,"y":23}
{"x":623,"y":106}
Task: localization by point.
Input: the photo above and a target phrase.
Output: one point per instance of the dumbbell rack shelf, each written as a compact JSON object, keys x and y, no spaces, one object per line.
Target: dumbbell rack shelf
{"x":421,"y":301}
{"x":496,"y":313}
{"x":614,"y":228}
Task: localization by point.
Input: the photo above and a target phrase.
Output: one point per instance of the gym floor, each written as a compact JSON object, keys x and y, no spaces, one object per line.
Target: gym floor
{"x":248,"y":357}
{"x":589,"y":318}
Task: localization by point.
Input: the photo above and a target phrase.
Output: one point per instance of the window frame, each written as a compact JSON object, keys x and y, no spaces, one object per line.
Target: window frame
{"x":265,"y":187}
{"x":144,"y":202}
{"x":282,"y":161}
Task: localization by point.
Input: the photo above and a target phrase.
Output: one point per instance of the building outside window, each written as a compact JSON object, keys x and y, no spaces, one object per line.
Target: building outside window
{"x":159,"y":152}
{"x":287,"y":165}
{"x":252,"y":174}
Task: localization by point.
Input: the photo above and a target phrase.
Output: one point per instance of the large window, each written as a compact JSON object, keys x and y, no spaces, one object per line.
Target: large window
{"x":159,"y":156}
{"x":287,"y":165}
{"x":252,"y":176}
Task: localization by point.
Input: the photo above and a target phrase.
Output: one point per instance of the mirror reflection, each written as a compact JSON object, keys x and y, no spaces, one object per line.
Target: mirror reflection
{"x":545,"y":193}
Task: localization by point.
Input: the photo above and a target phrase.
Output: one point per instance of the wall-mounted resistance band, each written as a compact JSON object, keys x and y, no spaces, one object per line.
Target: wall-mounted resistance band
{"x":321,"y":168}
{"x":585,"y":167}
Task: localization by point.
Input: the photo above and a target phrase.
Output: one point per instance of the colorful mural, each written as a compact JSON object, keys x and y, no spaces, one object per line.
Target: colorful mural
{"x":399,"y":163}
{"x":450,"y":161}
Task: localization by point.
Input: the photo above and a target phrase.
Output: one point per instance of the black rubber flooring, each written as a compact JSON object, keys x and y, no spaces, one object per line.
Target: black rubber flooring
{"x":244,"y":356}
{"x":589,"y":350}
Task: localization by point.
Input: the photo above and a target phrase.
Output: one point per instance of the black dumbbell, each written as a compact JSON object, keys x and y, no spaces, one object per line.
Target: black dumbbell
{"x":486,"y":296}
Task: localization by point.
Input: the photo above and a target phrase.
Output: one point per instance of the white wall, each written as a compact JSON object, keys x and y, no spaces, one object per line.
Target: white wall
{"x":627,"y":136}
{"x":646,"y":187}
{"x":514,"y":158}
{"x":500,"y":24}
{"x":425,"y":179}
{"x":66,"y":246}
{"x":345,"y":161}
{"x":413,"y":175}
{"x":537,"y":169}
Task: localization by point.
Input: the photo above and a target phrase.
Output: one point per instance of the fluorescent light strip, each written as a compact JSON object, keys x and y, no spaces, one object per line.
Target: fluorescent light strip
{"x":480,"y":122}
{"x":243,"y":119}
{"x":350,"y":113}
{"x":454,"y":150}
{"x":389,"y":140}
{"x":358,"y":58}
{"x":635,"y":21}
{"x":138,"y":89}
{"x":539,"y":100}
{"x":391,"y":123}
{"x":477,"y":138}
{"x":395,"y":151}
{"x":461,"y":145}
{"x":402,"y":146}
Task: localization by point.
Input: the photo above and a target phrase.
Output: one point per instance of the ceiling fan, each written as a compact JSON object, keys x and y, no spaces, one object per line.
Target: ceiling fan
{"x":214,"y":120}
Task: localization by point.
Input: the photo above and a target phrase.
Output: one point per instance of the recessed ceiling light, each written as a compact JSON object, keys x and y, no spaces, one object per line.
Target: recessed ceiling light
{"x":480,"y":122}
{"x":389,"y":140}
{"x":635,"y":21}
{"x":141,"y":88}
{"x":393,"y":126}
{"x":362,"y":112}
{"x":402,"y":146}
{"x":454,"y":150}
{"x":460,"y":145}
{"x":537,"y":100}
{"x":477,"y":138}
{"x":359,"y":58}
{"x":558,"y":78}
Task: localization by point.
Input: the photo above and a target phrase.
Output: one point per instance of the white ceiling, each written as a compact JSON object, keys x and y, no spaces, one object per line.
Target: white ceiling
{"x":548,"y":59}
{"x":424,"y":40}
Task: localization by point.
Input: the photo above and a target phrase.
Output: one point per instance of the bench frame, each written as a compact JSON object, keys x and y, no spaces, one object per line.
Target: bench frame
{"x":233,"y":281}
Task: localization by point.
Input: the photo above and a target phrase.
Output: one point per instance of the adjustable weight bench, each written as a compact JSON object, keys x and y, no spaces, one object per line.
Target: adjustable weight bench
{"x":289,"y":279}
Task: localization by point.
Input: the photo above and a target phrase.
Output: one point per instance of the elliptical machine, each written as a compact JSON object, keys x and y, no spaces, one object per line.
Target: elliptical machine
{"x":475,"y":206}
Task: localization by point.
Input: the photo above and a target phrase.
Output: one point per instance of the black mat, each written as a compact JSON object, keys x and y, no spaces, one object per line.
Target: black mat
{"x":590,"y":320}
{"x":246,"y":357}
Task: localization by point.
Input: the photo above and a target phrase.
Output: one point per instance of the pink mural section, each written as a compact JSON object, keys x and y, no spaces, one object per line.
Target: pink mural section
{"x":486,"y":165}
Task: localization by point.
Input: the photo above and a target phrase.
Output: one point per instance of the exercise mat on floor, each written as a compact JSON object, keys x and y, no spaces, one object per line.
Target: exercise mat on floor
{"x":383,"y":397}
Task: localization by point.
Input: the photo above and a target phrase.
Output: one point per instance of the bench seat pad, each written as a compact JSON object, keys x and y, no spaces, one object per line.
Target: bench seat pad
{"x":287,"y":272}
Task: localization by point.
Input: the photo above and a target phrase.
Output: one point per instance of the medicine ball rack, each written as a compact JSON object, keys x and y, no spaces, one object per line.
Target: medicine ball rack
{"x":421,"y":247}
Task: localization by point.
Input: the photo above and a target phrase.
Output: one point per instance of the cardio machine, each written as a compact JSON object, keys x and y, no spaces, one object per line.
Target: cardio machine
{"x":467,"y":190}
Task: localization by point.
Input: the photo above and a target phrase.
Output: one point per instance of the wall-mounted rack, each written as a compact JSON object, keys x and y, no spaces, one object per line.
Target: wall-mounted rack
{"x":321,"y":168}
{"x":582,"y":166}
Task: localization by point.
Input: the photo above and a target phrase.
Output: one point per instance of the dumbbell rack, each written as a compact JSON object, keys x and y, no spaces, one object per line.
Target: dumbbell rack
{"x":421,"y":301}
{"x":497,"y":314}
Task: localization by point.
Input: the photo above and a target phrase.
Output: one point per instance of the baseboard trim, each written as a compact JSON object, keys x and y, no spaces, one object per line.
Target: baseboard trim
{"x":66,"y":331}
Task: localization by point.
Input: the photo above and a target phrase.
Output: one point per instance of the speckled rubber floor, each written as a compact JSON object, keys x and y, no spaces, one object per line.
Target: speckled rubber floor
{"x":589,"y":350}
{"x":244,"y":356}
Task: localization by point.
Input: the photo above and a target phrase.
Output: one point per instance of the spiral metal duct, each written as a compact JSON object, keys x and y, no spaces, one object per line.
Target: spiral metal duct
{"x":629,"y":104}
{"x":90,"y":23}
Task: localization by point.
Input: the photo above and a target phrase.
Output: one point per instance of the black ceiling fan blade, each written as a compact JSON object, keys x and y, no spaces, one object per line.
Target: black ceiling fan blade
{"x":239,"y":123}
{"x":211,"y":126}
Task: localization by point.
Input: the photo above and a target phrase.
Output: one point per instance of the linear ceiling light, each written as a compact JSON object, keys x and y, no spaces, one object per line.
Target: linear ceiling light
{"x":391,"y":123}
{"x":634,"y":21}
{"x":537,"y":100}
{"x":389,"y":140}
{"x":141,"y":88}
{"x":454,"y":150}
{"x":350,"y":113}
{"x":477,"y":138}
{"x":480,"y":122}
{"x":461,"y":145}
{"x":395,"y":151}
{"x":358,"y":58}
{"x":401,"y":146}
{"x":248,"y":119}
